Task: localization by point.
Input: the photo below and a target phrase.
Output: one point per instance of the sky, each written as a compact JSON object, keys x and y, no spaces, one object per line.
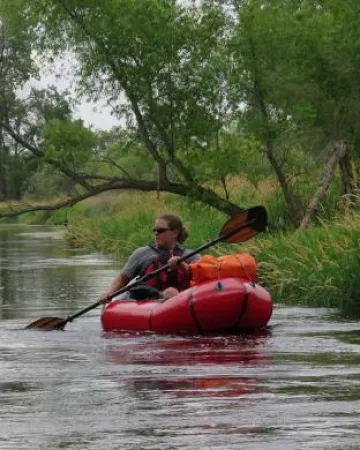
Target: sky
{"x":61,"y":75}
{"x":97,"y":115}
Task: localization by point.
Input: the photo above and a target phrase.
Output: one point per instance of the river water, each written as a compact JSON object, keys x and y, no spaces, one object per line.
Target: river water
{"x":293,"y":386}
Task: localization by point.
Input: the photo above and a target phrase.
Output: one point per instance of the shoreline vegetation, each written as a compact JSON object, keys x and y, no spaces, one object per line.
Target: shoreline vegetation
{"x":219,"y":105}
{"x":315,"y":267}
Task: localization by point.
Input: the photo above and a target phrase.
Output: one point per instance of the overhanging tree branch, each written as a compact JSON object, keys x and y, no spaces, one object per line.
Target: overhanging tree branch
{"x":127,"y":184}
{"x":127,"y":76}
{"x":40,"y":154}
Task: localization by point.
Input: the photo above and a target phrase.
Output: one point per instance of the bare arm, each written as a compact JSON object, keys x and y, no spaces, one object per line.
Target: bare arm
{"x":118,"y":282}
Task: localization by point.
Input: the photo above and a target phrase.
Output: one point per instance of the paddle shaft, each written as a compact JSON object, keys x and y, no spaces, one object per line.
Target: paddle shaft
{"x":161,"y":269}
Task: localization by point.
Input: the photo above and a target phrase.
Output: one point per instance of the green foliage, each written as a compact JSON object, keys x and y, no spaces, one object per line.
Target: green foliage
{"x":120,"y":153}
{"x":306,"y":60}
{"x":259,"y":93}
{"x":117,"y":226}
{"x":46,"y":183}
{"x":59,"y":217}
{"x":17,"y":64}
{"x":316,"y":267}
{"x":233,"y":154}
{"x":68,"y":142}
{"x":118,"y":235}
{"x":208,"y":94}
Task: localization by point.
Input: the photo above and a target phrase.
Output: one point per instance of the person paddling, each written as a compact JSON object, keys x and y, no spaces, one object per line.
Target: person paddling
{"x":169,"y":233}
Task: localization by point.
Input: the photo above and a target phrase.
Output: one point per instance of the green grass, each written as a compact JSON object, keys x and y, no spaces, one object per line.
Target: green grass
{"x":119,"y":228}
{"x":319,"y":266}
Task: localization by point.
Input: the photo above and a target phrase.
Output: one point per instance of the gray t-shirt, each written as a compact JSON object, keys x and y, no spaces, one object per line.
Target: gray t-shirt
{"x":140,"y":259}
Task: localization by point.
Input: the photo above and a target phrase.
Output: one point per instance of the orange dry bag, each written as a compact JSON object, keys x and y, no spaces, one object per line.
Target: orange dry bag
{"x":238,"y":265}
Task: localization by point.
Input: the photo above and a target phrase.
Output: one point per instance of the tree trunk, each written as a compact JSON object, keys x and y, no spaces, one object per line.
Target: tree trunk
{"x":347,"y":181}
{"x":339,"y":152}
{"x":3,"y":186}
{"x":290,"y":201}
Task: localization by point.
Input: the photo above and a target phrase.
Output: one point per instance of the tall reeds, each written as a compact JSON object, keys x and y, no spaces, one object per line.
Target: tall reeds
{"x":319,"y":266}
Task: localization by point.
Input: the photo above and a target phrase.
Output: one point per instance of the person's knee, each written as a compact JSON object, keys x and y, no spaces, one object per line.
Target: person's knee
{"x":170,"y":292}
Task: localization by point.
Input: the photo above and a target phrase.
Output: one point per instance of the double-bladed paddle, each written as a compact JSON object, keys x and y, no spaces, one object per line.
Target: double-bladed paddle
{"x":244,"y":225}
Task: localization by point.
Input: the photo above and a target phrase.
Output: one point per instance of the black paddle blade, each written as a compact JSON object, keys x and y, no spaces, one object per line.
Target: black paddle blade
{"x":47,"y":324}
{"x":249,"y":222}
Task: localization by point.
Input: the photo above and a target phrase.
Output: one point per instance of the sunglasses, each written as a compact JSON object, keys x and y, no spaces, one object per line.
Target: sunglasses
{"x":160,"y":230}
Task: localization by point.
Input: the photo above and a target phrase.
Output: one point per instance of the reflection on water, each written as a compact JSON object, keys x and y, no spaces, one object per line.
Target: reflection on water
{"x":293,"y":386}
{"x":244,"y":349}
{"x":247,"y":351}
{"x":37,"y":271}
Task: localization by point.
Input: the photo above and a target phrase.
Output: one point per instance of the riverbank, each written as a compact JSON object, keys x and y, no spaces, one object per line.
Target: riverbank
{"x":319,"y":266}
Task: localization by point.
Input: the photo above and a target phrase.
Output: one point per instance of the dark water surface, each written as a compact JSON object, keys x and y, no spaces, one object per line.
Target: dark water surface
{"x":294,"y":386}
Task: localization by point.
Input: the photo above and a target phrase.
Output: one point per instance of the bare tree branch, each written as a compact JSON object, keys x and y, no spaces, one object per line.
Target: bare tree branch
{"x":175,"y":188}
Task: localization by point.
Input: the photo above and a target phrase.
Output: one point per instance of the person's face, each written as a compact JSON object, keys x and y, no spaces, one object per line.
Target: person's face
{"x":164,"y":237}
